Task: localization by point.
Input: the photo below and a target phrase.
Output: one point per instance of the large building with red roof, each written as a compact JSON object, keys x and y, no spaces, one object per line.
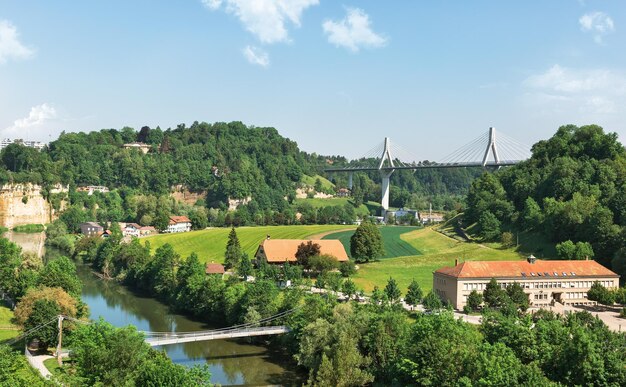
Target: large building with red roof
{"x":284,"y":250}
{"x":178,"y":224}
{"x":545,"y":282}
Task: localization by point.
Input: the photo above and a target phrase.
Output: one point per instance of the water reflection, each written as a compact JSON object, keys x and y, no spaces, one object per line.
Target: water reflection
{"x":232,"y":362}
{"x":33,"y":243}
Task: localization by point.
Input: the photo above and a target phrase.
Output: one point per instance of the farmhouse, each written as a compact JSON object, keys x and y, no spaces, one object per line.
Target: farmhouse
{"x":130,"y":229}
{"x":284,"y":250}
{"x":179,"y":224}
{"x":545,"y":282}
{"x":343,"y":193}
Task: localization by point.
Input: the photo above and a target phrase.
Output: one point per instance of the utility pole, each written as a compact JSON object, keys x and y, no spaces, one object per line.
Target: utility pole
{"x":59,"y":345}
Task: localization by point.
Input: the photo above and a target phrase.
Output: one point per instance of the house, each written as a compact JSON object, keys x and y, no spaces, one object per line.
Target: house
{"x":402,"y":214}
{"x":431,"y":217}
{"x":179,"y":224}
{"x":91,"y":228}
{"x":343,"y":193}
{"x":545,"y":282}
{"x":214,"y":268}
{"x":284,"y":250}
{"x":138,"y":145}
{"x":146,"y":230}
{"x":130,"y":229}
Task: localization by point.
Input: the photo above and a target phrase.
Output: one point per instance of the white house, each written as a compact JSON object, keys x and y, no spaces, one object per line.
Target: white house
{"x":179,"y":224}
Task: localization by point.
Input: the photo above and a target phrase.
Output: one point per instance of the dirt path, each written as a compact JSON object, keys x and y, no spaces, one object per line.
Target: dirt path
{"x":323,"y":234}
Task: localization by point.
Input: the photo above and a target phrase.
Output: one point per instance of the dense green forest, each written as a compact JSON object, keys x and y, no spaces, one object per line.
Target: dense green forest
{"x":571,"y":191}
{"x":221,"y":161}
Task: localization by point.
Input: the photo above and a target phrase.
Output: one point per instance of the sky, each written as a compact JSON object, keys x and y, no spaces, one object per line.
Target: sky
{"x":335,"y":76}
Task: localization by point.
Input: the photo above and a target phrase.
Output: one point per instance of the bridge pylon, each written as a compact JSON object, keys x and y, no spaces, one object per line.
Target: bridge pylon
{"x":385,"y":174}
{"x":491,"y":145}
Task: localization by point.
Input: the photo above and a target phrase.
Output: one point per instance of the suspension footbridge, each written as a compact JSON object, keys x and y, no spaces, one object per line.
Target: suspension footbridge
{"x":488,"y":150}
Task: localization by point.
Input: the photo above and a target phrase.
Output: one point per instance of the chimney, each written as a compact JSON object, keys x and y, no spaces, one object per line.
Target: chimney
{"x":456,"y":262}
{"x":531,"y":259}
{"x":268,"y":237}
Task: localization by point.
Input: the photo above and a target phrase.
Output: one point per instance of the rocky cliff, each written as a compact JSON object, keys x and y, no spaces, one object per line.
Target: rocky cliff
{"x":24,"y":204}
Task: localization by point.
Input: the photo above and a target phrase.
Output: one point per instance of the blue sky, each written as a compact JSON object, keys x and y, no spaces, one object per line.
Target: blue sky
{"x":335,"y":76}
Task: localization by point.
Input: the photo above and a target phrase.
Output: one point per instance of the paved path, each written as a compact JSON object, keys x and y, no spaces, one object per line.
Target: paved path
{"x":36,"y":361}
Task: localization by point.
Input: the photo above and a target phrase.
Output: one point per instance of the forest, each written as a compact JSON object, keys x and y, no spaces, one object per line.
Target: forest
{"x":220,"y":161}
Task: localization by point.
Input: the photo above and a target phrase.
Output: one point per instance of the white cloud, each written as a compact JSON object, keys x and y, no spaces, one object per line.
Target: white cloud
{"x":597,"y":23}
{"x":256,"y":56}
{"x":37,"y":119}
{"x":10,"y":46}
{"x":265,"y":19}
{"x":586,"y":90}
{"x":212,"y":4}
{"x":353,"y":32}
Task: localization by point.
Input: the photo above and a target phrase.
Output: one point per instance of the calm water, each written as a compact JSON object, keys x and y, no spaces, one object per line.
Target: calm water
{"x":232,"y":362}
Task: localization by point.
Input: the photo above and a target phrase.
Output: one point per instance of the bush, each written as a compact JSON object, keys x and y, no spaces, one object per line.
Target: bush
{"x":347,"y":268}
{"x":31,"y":228}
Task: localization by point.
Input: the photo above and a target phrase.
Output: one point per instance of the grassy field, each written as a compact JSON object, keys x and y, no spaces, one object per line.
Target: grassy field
{"x":6,"y":315}
{"x":210,"y":244}
{"x":437,"y":251}
{"x":395,"y":246}
{"x":310,"y":181}
{"x":365,"y":209}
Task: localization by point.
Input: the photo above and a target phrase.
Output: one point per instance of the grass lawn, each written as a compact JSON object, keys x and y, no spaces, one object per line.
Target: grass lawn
{"x":53,"y":366}
{"x":395,"y":246}
{"x":437,"y":251}
{"x":6,"y":315}
{"x":210,"y":244}
{"x":363,"y":210}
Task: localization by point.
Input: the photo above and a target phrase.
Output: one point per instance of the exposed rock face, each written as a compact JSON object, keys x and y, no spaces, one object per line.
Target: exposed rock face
{"x":234,"y":203}
{"x":23,"y":204}
{"x":182,"y":194}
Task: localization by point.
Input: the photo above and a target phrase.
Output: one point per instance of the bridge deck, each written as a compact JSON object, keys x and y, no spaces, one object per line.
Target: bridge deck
{"x":426,"y":166}
{"x":205,"y":336}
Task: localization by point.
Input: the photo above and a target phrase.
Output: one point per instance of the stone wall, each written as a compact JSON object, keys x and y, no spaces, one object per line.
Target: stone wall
{"x":23,"y":204}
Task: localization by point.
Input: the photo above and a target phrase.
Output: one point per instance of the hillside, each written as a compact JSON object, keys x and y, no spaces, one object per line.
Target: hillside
{"x":572,"y":191}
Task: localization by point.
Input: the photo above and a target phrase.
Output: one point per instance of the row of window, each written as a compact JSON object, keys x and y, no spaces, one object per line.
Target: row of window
{"x":575,"y":295}
{"x":479,"y":286}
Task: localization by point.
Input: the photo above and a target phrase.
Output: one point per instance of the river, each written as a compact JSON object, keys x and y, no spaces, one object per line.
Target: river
{"x":231,"y":362}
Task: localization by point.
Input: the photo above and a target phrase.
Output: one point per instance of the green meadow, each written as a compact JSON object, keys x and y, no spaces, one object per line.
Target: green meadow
{"x":395,"y":246}
{"x":210,"y":244}
{"x":7,"y":329}
{"x":436,"y":250}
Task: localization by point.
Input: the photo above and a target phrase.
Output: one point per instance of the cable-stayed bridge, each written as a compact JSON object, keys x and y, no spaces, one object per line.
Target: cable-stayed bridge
{"x":485,"y":151}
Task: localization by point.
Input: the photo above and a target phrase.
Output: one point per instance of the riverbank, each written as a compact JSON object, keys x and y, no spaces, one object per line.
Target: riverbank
{"x":231,"y":362}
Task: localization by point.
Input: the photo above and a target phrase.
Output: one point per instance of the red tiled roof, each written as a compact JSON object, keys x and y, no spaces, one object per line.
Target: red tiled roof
{"x":214,"y":268}
{"x":281,"y":250}
{"x":525,"y":269}
{"x":179,"y":219}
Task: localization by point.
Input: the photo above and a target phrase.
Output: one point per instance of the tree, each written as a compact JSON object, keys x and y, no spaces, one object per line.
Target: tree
{"x":305,"y":251}
{"x":432,"y":301}
{"x":392,"y":291}
{"x":348,"y":288}
{"x":414,"y":294}
{"x":15,"y":371}
{"x":474,"y":299}
{"x":67,"y":304}
{"x":61,"y":272}
{"x":518,"y":296}
{"x":323,"y":263}
{"x":245,"y":267}
{"x":347,"y":268}
{"x":232,"y":255}
{"x":366,"y":244}
{"x":602,"y":295}
{"x":507,"y":239}
{"x":571,"y":251}
{"x":43,"y":312}
{"x":489,"y":226}
{"x":494,"y":296}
